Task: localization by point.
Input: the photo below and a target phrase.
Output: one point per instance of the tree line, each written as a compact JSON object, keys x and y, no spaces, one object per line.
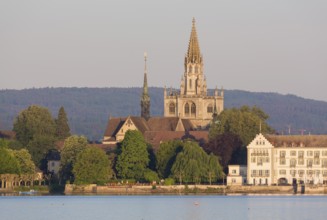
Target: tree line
{"x":176,"y":161}
{"x":89,"y":108}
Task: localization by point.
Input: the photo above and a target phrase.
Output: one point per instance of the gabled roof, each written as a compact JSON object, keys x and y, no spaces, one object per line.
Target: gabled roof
{"x":114,"y":124}
{"x":297,"y":140}
{"x":140,"y":123}
{"x":168,"y":124}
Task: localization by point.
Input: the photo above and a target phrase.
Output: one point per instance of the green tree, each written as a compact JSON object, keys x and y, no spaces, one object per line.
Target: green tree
{"x":166,"y":156}
{"x":62,"y":127}
{"x":92,"y":166}
{"x":73,"y":145}
{"x":8,"y":162}
{"x":233,"y":130}
{"x":35,"y":129}
{"x":244,"y":122}
{"x":134,"y":157}
{"x":214,"y":170}
{"x":25,"y":161}
{"x":225,"y":146}
{"x":192,"y":164}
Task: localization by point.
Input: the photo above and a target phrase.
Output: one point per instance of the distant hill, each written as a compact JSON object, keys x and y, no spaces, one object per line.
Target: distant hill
{"x":88,"y":109}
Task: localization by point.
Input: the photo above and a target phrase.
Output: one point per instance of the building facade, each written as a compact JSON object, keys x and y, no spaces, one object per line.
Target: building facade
{"x":193,"y":102}
{"x":276,"y":159}
{"x":237,"y":175}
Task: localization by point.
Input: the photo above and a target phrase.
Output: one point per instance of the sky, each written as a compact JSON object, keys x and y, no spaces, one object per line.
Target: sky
{"x":253,"y":45}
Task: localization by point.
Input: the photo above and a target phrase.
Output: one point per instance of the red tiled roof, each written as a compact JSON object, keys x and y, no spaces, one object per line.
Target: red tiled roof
{"x":7,"y":134}
{"x":156,"y":137}
{"x":297,"y":140}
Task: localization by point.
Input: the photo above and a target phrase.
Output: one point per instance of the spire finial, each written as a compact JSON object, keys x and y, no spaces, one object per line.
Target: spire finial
{"x":145,"y":98}
{"x":193,"y":52}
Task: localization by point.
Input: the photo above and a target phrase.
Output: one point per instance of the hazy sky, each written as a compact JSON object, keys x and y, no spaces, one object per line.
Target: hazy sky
{"x":255,"y":45}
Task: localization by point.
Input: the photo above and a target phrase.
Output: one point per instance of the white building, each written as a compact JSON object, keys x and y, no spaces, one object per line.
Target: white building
{"x":276,"y":159}
{"x":236,"y":175}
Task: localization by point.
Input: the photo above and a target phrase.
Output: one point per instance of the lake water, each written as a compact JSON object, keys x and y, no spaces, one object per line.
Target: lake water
{"x":163,"y":207}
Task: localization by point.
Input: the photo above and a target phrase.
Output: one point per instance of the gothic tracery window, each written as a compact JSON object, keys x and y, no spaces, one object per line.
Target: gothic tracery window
{"x":171,"y":108}
{"x":193,"y":109}
{"x":187,"y":109}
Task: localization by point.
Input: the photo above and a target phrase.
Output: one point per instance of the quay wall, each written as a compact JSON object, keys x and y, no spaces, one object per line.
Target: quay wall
{"x":196,"y":189}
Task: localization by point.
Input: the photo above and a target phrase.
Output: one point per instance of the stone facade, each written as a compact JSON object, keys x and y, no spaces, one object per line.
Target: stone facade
{"x":274,"y":159}
{"x":193,"y":102}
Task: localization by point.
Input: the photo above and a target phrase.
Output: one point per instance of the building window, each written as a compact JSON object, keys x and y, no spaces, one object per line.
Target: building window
{"x":253,"y":159}
{"x":324,"y":173}
{"x":293,"y":172}
{"x":310,"y":153}
{"x":190,"y":83}
{"x":301,"y":173}
{"x":324,"y":153}
{"x":53,"y":164}
{"x":317,"y":172}
{"x":324,"y":163}
{"x":293,"y":163}
{"x":171,"y":108}
{"x":233,"y":180}
{"x":193,"y":109}
{"x":187,"y":109}
{"x":293,"y":153}
{"x":190,"y":69}
{"x":309,"y":172}
{"x":210,"y":108}
{"x":196,"y":69}
{"x":282,"y":161}
{"x":309,"y":162}
{"x":316,"y":161}
{"x":282,"y":153}
{"x":266,"y":172}
{"x":317,"y":154}
{"x":301,"y":161}
{"x":233,"y":171}
{"x":301,"y":154}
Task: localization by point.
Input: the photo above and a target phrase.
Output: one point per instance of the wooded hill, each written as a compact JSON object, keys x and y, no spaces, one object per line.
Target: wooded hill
{"x":88,"y":109}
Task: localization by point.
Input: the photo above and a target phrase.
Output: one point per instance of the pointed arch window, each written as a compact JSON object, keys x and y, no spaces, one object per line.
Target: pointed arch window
{"x":193,"y":109}
{"x":190,"y":82}
{"x":171,"y":108}
{"x":187,"y":109}
{"x":190,"y":69}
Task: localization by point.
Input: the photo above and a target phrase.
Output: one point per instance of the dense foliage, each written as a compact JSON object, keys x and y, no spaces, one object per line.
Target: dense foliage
{"x":92,"y":166}
{"x":166,"y":156}
{"x":62,"y":127}
{"x":73,"y":145}
{"x":35,"y":129}
{"x":233,"y":130}
{"x":89,"y":108}
{"x":133,"y":160}
{"x":15,"y":161}
{"x":193,"y":165}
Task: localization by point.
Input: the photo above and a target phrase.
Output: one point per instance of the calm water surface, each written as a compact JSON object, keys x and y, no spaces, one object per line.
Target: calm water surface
{"x":163,"y":207}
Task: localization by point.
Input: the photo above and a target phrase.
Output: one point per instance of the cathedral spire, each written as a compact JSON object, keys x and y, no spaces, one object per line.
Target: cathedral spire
{"x":193,"y":52}
{"x":145,"y":98}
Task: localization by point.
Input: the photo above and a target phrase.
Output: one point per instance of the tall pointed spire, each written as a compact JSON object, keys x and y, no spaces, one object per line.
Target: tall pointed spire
{"x":145,"y":98}
{"x":145,"y":82}
{"x":193,"y":52}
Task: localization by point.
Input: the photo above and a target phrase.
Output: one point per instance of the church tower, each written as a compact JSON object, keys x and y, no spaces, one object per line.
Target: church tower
{"x":145,"y":98}
{"x":192,"y":102}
